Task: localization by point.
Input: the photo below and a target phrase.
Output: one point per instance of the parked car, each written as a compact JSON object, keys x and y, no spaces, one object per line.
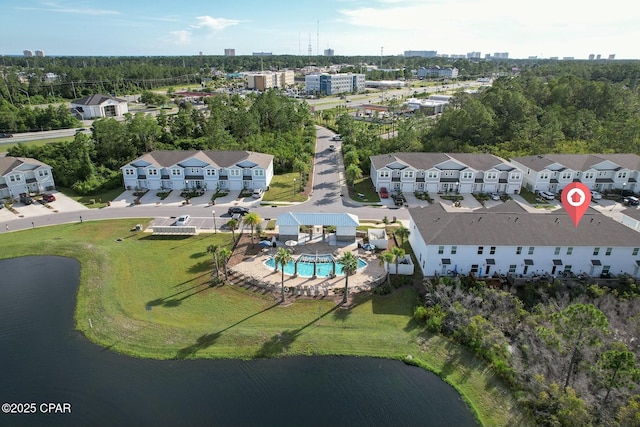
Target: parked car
{"x":384,"y":194}
{"x":48,"y":198}
{"x":494,"y":196}
{"x":336,"y":138}
{"x":26,"y":199}
{"x":237,"y":210}
{"x":257,"y":193}
{"x":631,"y":201}
{"x":595,"y":195}
{"x":6,"y":135}
{"x":546,"y":195}
{"x":182,"y":220}
{"x":332,"y":147}
{"x":398,"y":199}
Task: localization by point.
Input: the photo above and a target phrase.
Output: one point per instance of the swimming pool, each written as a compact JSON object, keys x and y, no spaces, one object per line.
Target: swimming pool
{"x":305,"y":268}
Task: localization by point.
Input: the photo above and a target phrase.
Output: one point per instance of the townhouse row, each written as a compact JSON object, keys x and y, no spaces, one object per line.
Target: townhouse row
{"x":486,"y":173}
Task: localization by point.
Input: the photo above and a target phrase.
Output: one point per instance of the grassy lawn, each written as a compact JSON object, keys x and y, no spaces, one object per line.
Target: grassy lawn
{"x":150,"y":297}
{"x":38,"y":143}
{"x":534,"y":200}
{"x":364,"y":186}
{"x":101,"y":199}
{"x":281,"y":189}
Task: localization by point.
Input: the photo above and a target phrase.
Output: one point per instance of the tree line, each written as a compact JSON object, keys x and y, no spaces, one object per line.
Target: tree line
{"x":266,"y":123}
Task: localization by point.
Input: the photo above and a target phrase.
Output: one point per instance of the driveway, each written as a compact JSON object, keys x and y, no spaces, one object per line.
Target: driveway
{"x":37,"y":210}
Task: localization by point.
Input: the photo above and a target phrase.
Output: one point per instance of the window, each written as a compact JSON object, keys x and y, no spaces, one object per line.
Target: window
{"x":492,"y":250}
{"x":43,"y":173}
{"x":596,"y":251}
{"x":602,"y":173}
{"x":211,"y":172}
{"x":176,"y":172}
{"x":514,"y":177}
{"x":454,"y":250}
{"x":432,"y":174}
{"x":129,"y":172}
{"x":492,"y":176}
{"x":606,"y":269}
{"x":474,"y":268}
{"x":635,"y":251}
{"x":569,"y":250}
{"x":384,"y":174}
{"x":518,"y":250}
{"x":567,"y":268}
{"x":557,"y":251}
{"x":531,"y":249}
{"x":467,"y":175}
{"x":153,"y":172}
{"x":440,"y":250}
{"x":544,"y":176}
{"x":480,"y":250}
{"x":608,"y":251}
{"x":448,"y":173}
{"x":566,"y":176}
{"x":588,"y":175}
{"x":512,"y":268}
{"x":407,"y":174}
{"x":622,"y":175}
{"x":195,"y":171}
{"x":15,"y":178}
{"x":234,"y":172}
{"x":258,"y":172}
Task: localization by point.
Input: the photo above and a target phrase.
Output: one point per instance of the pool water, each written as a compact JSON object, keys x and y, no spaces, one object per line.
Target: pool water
{"x":305,"y":269}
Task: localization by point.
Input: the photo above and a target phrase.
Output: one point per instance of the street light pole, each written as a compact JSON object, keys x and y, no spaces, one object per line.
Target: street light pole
{"x":213,"y":212}
{"x":294,"y":187}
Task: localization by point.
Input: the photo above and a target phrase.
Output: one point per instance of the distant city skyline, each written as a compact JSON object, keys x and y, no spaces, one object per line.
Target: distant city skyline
{"x":542,"y":29}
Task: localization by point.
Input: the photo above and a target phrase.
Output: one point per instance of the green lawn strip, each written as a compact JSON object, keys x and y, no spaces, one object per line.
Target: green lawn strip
{"x":281,"y":189}
{"x":35,"y":143}
{"x":189,"y":319}
{"x":364,"y":186}
{"x":96,"y":200}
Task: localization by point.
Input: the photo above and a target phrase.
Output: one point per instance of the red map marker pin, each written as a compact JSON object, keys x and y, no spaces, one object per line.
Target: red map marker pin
{"x":576,"y":198}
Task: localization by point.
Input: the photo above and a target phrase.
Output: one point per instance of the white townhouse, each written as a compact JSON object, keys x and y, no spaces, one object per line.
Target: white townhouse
{"x":508,"y":239}
{"x":208,"y":170}
{"x":443,"y":172}
{"x":600,"y":172}
{"x":99,"y":105}
{"x":24,"y":175}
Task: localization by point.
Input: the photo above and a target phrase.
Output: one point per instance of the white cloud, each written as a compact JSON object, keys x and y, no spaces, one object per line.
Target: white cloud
{"x":71,"y":8}
{"x":181,"y":36}
{"x":214,"y":24}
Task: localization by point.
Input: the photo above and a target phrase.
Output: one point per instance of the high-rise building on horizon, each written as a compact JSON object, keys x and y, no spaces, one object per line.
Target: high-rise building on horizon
{"x":421,"y":53}
{"x":328,"y":52}
{"x":262,"y":53}
{"x":27,"y":53}
{"x":40,"y":53}
{"x":473,"y":55}
{"x":229,"y":52}
{"x":612,"y":57}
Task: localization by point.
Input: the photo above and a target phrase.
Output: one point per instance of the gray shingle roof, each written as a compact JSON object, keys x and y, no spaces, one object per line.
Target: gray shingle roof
{"x":519,"y":228}
{"x":96,"y":99}
{"x":223,"y":159}
{"x":578,"y":162}
{"x":8,"y":164}
{"x":424,"y":161}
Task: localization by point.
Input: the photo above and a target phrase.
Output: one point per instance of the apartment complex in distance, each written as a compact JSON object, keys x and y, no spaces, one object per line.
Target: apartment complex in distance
{"x":328,"y":84}
{"x":269,"y":79}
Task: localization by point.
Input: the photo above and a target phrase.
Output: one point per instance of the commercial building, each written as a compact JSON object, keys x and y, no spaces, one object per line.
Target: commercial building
{"x":436,"y":71}
{"x":271,"y":79}
{"x":207,"y":170}
{"x":444,"y":172}
{"x":99,"y":105}
{"x":600,"y":172}
{"x":421,"y":53}
{"x":507,"y":239}
{"x":328,"y":84}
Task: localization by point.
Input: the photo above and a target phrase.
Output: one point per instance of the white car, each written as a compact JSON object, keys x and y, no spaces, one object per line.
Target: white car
{"x":182,"y":220}
{"x":257,"y":193}
{"x":547,"y":196}
{"x":595,"y":195}
{"x":494,"y":196}
{"x":336,"y":138}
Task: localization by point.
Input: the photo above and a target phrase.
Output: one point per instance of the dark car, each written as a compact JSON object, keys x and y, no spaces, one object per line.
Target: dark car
{"x":237,"y":210}
{"x":6,"y":135}
{"x":26,"y":199}
{"x":48,"y":198}
{"x":631,"y":201}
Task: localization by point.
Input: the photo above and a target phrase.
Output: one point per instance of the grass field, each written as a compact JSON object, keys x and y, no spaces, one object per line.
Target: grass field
{"x":38,"y":143}
{"x":281,"y":189}
{"x":150,"y":297}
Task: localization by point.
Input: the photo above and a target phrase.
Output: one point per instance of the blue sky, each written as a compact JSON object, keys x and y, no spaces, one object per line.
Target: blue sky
{"x":542,"y":28}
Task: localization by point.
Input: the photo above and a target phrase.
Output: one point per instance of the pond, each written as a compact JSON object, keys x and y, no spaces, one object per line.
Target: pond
{"x":44,"y":360}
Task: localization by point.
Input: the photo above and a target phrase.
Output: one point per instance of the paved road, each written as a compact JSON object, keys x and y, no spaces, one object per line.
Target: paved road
{"x":329,"y":195}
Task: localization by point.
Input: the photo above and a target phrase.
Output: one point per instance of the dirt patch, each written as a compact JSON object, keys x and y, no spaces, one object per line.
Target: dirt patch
{"x":244,"y":249}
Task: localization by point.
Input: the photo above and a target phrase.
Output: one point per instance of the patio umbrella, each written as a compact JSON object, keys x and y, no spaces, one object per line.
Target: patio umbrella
{"x":368,"y":247}
{"x":265,"y":243}
{"x":291,"y":243}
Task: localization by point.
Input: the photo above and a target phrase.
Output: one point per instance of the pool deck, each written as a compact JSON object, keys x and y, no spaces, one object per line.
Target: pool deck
{"x":373,"y":272}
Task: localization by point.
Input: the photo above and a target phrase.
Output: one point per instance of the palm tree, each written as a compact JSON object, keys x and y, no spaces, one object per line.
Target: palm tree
{"x":398,"y":252}
{"x":403,"y":233}
{"x":213,"y":250}
{"x":349,"y":264}
{"x":352,"y":173}
{"x":282,"y":258}
{"x":233,"y":225}
{"x":225,"y":254}
{"x":252,"y":219}
{"x":387,"y":257}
